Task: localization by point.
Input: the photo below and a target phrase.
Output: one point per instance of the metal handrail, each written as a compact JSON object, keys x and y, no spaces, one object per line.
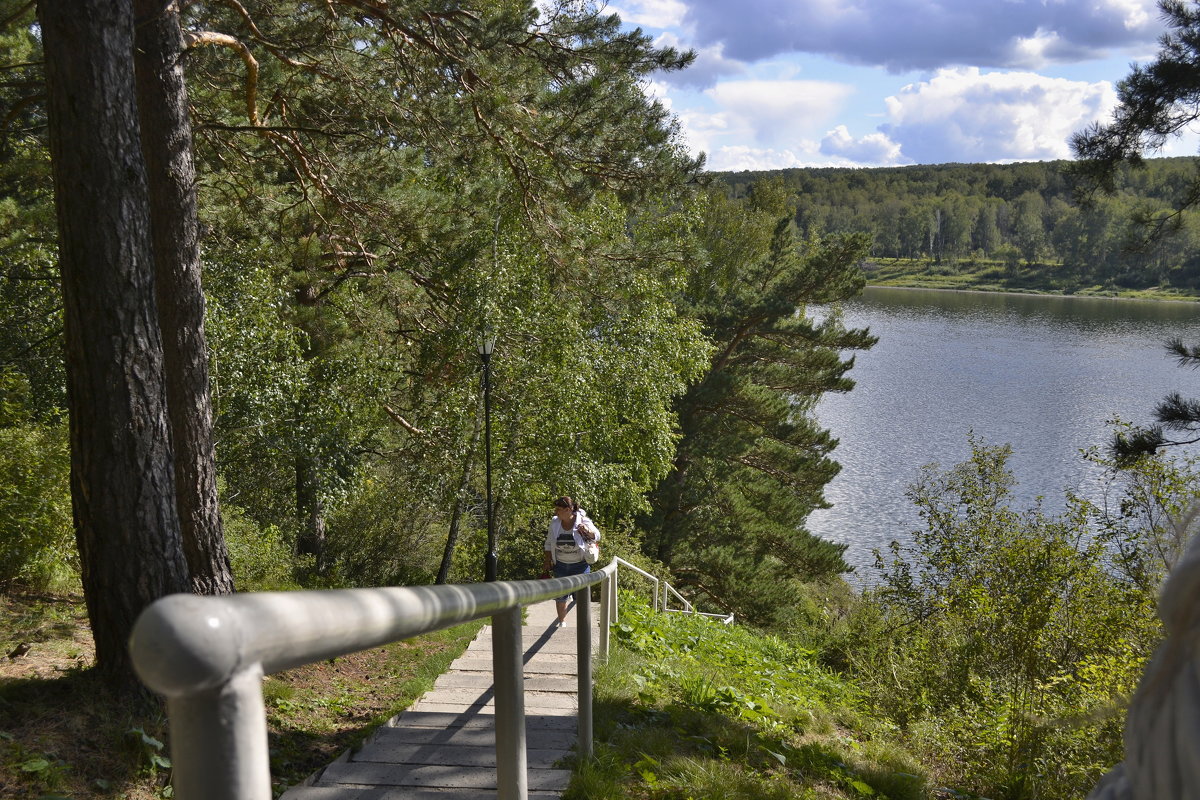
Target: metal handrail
{"x":208,"y":656}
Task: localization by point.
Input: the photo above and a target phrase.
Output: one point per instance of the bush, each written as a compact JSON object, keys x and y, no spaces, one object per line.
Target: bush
{"x":999,"y":639}
{"x":261,"y":557}
{"x":37,"y":541}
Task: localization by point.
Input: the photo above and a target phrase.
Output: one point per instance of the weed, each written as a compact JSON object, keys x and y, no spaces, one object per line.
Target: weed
{"x":147,"y":751}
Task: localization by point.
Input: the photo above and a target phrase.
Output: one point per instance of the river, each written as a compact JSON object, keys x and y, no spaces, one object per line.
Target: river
{"x":1042,"y":373}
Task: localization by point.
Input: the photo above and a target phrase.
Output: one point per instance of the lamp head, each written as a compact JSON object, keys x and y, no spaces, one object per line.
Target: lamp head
{"x":487,"y":341}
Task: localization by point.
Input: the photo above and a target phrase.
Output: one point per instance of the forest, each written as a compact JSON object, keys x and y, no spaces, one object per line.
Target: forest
{"x":1037,"y":214}
{"x":359,"y":216}
{"x":248,"y":254}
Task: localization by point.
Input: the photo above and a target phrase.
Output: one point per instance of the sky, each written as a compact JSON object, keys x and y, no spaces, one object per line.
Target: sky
{"x":872,"y":83}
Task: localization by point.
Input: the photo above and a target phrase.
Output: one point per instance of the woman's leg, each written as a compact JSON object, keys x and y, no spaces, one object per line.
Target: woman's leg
{"x":561,"y":571}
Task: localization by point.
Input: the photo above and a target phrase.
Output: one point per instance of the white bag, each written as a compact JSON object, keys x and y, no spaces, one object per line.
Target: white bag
{"x":591,"y":550}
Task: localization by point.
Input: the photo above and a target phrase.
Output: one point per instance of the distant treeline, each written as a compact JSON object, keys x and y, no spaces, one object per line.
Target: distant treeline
{"x":1014,"y":214}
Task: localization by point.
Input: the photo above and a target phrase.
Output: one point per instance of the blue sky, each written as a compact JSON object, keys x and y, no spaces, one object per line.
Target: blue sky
{"x":790,"y":83}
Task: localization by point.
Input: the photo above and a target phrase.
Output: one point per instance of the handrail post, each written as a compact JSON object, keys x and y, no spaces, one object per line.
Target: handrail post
{"x":223,"y":731}
{"x":616,"y":609}
{"x":606,"y":590}
{"x":583,"y":640}
{"x":512,"y":777}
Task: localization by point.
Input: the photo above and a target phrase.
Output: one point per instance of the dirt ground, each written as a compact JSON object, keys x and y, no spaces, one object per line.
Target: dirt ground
{"x":63,"y":734}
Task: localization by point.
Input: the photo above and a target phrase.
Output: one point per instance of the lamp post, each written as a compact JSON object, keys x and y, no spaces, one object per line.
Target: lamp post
{"x":487,"y":342}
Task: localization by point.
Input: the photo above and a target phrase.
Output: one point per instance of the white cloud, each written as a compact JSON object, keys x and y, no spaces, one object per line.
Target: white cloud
{"x":964,"y":115}
{"x":710,"y":64}
{"x":738,"y":158}
{"x":778,"y":111}
{"x":650,"y":13}
{"x":874,"y":149}
{"x":925,"y":34}
{"x":702,"y":131}
{"x":1042,"y":48}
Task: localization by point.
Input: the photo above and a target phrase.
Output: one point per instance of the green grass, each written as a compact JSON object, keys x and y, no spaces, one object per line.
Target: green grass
{"x":992,"y":276}
{"x":688,"y":708}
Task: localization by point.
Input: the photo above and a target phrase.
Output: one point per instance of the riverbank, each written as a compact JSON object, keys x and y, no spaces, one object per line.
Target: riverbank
{"x":985,"y":276}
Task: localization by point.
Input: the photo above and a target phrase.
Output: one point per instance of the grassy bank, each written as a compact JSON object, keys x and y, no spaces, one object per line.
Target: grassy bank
{"x":63,"y":736}
{"x":686,"y":709}
{"x":993,"y":276}
{"x":689,"y":708}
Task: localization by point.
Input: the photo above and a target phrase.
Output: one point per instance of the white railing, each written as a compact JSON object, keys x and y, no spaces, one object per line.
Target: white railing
{"x":661,"y":594}
{"x":208,"y":656}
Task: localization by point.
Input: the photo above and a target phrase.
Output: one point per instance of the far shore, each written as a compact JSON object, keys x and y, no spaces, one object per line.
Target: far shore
{"x":992,"y":278}
{"x":1150,"y":295}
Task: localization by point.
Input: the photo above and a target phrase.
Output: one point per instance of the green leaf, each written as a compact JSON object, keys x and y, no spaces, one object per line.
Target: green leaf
{"x":862,"y":788}
{"x":780,"y":757}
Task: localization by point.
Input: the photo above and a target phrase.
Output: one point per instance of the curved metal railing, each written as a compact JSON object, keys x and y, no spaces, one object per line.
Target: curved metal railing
{"x":208,"y":656}
{"x":661,"y":594}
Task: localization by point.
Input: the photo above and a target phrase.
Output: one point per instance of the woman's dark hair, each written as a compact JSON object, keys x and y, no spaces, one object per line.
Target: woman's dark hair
{"x":566,"y":502}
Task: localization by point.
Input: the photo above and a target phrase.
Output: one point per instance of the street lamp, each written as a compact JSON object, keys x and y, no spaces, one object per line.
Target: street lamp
{"x":487,"y":342}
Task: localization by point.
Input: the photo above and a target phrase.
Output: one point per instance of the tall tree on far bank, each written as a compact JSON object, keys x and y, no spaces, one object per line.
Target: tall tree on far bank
{"x":1156,"y":103}
{"x":752,"y":463}
{"x":122,"y":475}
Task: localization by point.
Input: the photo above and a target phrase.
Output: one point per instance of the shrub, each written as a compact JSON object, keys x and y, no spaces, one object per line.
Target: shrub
{"x":37,"y":542}
{"x":261,"y":557}
{"x":999,"y":639}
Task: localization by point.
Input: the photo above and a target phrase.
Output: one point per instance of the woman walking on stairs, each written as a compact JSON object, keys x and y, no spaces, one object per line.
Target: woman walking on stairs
{"x":571,"y":546}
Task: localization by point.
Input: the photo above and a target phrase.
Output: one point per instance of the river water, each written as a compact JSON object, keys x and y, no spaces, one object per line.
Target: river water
{"x":1041,"y":373}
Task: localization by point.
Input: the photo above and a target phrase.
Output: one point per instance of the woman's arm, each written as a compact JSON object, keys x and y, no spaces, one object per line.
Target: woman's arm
{"x":548,"y":555}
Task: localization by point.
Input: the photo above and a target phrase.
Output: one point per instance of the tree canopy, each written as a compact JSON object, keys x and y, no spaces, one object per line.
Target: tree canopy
{"x":331,"y":201}
{"x":751,"y":462}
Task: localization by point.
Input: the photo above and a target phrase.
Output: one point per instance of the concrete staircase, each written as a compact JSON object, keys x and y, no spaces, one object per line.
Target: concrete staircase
{"x":444,"y":746}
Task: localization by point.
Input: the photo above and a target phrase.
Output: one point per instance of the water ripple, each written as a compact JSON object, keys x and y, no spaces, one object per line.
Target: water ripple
{"x":1041,"y":373}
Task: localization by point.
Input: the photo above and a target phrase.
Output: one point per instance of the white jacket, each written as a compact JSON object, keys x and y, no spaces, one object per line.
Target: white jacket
{"x":570,"y":555}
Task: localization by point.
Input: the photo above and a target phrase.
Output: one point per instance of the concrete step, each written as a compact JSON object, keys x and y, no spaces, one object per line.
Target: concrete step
{"x":452,"y":708}
{"x":398,"y":793}
{"x":533,"y":647}
{"x":354,"y":773}
{"x":540,"y":738}
{"x":542,"y":682}
{"x":450,"y":719}
{"x":472,"y":698}
{"x":448,"y":755}
{"x":560,"y":664}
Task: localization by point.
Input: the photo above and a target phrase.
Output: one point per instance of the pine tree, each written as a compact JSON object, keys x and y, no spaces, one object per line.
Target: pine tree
{"x":752,"y":462}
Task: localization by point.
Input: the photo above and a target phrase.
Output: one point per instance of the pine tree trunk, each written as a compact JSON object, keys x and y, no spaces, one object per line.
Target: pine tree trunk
{"x":456,"y":515}
{"x":122,"y":478}
{"x":310,"y":508}
{"x":171,"y":174}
